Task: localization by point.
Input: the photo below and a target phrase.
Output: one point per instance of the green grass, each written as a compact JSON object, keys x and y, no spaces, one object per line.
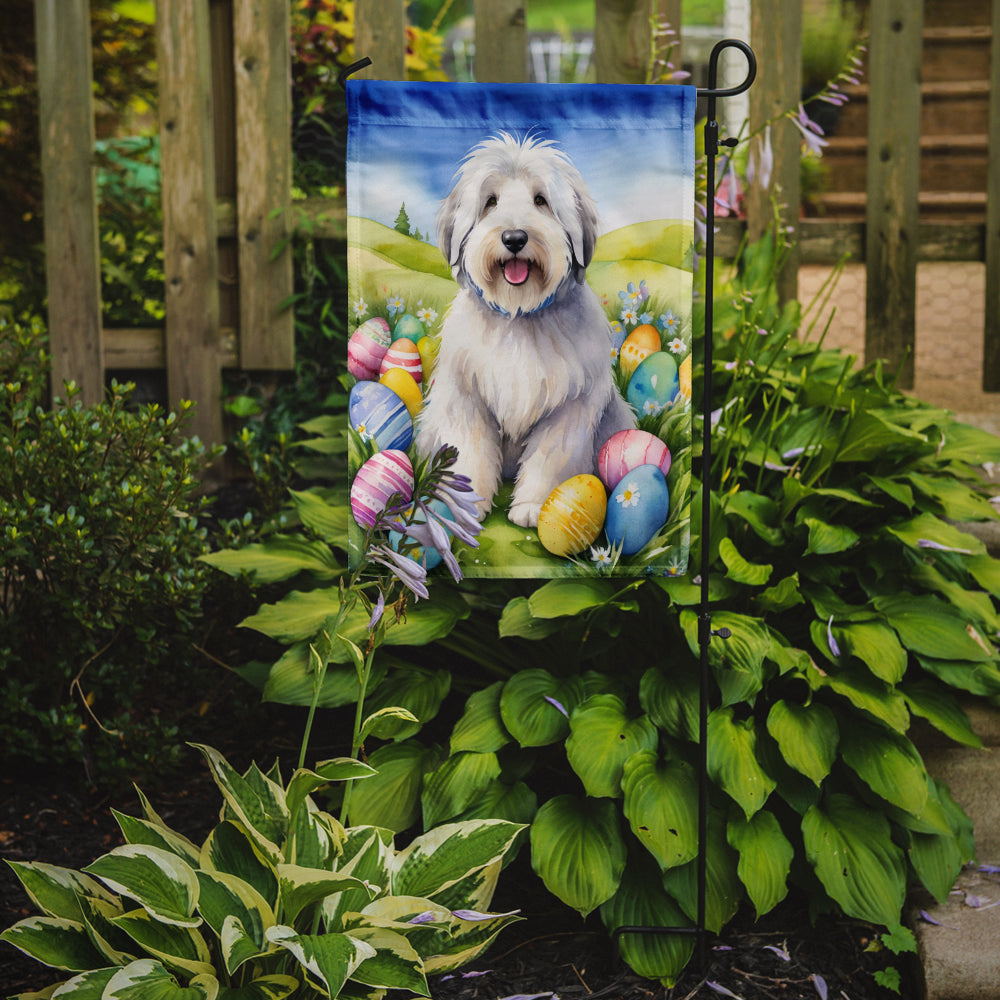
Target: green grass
{"x":578,"y":15}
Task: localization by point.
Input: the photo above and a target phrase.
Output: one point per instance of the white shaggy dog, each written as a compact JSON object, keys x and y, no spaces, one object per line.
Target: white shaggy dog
{"x":523,"y":384}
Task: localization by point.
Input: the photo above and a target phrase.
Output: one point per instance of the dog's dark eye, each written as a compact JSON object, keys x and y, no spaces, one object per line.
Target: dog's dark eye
{"x":491,"y":201}
{"x":540,"y":201}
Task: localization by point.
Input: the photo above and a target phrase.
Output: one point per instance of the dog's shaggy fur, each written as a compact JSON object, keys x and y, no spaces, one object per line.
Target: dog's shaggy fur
{"x":523,"y":384}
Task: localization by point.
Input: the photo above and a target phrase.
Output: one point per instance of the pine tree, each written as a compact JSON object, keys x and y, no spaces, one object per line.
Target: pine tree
{"x":402,"y":221}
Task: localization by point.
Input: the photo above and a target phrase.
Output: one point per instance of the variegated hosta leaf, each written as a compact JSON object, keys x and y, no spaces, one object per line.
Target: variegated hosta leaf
{"x":230,"y":849}
{"x":578,"y":851}
{"x":661,"y":800}
{"x":850,"y":847}
{"x":456,"y":784}
{"x":535,"y":706}
{"x":441,"y":857}
{"x":807,"y":736}
{"x":274,"y":987}
{"x":158,"y":880}
{"x":367,"y":853}
{"x":315,"y":838}
{"x":475,"y":891}
{"x":86,"y":986}
{"x":54,"y":941}
{"x":56,"y":891}
{"x":301,"y":887}
{"x":329,"y":959}
{"x":467,"y":940}
{"x":417,"y":690}
{"x":642,"y":902}
{"x":602,"y":737}
{"x":225,"y":897}
{"x":177,"y":947}
{"x":304,"y":782}
{"x":116,"y":947}
{"x":147,"y":979}
{"x":481,"y":727}
{"x":888,"y":763}
{"x":732,"y":760}
{"x":395,"y":964}
{"x":765,"y":858}
{"x":141,"y":831}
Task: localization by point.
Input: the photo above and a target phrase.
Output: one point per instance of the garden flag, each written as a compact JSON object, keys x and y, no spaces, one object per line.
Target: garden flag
{"x":520,"y":263}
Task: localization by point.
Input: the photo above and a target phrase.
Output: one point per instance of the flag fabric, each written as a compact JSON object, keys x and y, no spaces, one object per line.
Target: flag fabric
{"x":520,"y":261}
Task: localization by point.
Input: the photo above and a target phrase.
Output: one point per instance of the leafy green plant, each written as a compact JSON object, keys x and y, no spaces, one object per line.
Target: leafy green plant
{"x":101,"y":584}
{"x":279,"y":899}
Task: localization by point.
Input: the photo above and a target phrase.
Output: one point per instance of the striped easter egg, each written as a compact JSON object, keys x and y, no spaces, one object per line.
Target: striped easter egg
{"x":379,"y":415}
{"x":384,"y":474}
{"x":403,"y":354}
{"x":627,"y":450}
{"x":367,"y":347}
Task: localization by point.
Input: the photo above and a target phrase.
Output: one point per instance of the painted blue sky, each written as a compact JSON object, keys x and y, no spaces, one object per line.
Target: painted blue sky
{"x":632,"y":145}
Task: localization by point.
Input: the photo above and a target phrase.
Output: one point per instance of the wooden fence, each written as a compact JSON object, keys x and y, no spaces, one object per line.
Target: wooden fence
{"x":226,"y":161}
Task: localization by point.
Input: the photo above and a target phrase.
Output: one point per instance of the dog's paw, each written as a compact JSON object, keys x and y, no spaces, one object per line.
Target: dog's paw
{"x":524,"y":513}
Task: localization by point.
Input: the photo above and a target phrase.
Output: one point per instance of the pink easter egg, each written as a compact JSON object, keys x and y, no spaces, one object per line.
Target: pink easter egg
{"x":367,"y":347}
{"x":627,"y":450}
{"x":385,"y":473}
{"x":404,"y":354}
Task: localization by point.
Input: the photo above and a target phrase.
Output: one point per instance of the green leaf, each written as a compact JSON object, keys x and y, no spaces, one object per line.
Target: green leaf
{"x":866,"y":692}
{"x":807,"y":736}
{"x":640,"y":901}
{"x":385,"y":723}
{"x":976,"y":678}
{"x":828,"y":539}
{"x":54,"y":941}
{"x":876,"y":646}
{"x":181,"y":948}
{"x":932,"y":628}
{"x":281,"y":557}
{"x":163,"y":884}
{"x":304,"y":782}
{"x":292,"y":681}
{"x":732,"y":760}
{"x":230,"y":849}
{"x":516,"y":620}
{"x":456,"y":784}
{"x":86,"y":986}
{"x":758,"y":511}
{"x":870,"y":436}
{"x":737,"y":661}
{"x":765,"y":858}
{"x":578,"y":851}
{"x":301,"y":887}
{"x":783,"y":595}
{"x":850,"y":848}
{"x":418,"y":690}
{"x":391,"y":798}
{"x":928,"y":528}
{"x":331,"y":959}
{"x":327,"y":520}
{"x":739,"y":570}
{"x":888,"y":763}
{"x":275,"y":987}
{"x":661,"y":798}
{"x":56,"y":891}
{"x":395,"y":964}
{"x":516,"y":803}
{"x":481,"y":728}
{"x":147,"y":979}
{"x":986,"y":572}
{"x":941,"y":709}
{"x":225,"y":897}
{"x":601,"y":739}
{"x":528,"y":710}
{"x":141,"y":831}
{"x":560,"y":598}
{"x":671,"y":699}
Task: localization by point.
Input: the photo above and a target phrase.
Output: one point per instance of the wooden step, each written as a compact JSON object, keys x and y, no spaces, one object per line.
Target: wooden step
{"x":956,"y":53}
{"x":958,"y":206}
{"x":945,"y":12}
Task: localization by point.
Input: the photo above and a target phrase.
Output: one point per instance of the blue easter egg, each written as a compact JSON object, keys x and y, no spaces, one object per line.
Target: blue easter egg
{"x":379,"y":415}
{"x":637,"y":508}
{"x":654,"y":384}
{"x":429,"y":557}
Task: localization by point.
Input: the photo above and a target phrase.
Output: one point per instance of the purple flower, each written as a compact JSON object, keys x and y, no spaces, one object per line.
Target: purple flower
{"x":927,"y":543}
{"x":761,"y":163}
{"x":834,"y":648}
{"x":475,"y":915}
{"x":408,"y":571}
{"x":558,"y":705}
{"x":377,"y":612}
{"x":427,"y":917}
{"x":820,"y":983}
{"x":811,"y":132}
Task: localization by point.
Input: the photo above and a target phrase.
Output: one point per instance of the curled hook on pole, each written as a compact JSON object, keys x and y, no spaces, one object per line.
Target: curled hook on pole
{"x":353,"y":68}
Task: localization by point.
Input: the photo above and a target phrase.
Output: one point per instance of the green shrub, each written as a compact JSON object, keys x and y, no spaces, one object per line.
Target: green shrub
{"x":99,"y":546}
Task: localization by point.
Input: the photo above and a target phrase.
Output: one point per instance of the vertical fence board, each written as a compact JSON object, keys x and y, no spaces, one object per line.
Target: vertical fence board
{"x":893,"y":183}
{"x":190,"y":254}
{"x":380,"y":34}
{"x":776,"y":35}
{"x":501,"y":41}
{"x":622,"y":37}
{"x":991,"y":331}
{"x":261,"y":57}
{"x":72,"y":256}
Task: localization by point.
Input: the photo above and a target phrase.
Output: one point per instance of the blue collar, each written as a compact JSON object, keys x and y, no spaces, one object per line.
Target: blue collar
{"x":506,"y":312}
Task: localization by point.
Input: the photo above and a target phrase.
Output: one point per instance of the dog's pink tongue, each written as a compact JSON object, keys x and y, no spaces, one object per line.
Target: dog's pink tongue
{"x":515,"y":271}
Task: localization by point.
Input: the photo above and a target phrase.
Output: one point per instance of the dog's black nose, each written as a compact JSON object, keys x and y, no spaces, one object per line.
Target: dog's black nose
{"x":514,"y":239}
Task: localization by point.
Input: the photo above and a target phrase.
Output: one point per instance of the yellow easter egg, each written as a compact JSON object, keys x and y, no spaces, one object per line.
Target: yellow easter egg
{"x":573,"y":515}
{"x":637,"y":346}
{"x":403,"y":386}
{"x":428,"y":348}
{"x":684,"y":379}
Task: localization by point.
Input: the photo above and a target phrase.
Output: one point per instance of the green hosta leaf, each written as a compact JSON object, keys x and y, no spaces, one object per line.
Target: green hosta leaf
{"x":330,"y":959}
{"x":602,"y":738}
{"x":941,"y":709}
{"x":456,"y":784}
{"x":147,"y":979}
{"x":279,"y":558}
{"x":888,"y":763}
{"x":765,"y":858}
{"x":535,"y":706}
{"x":661,"y":798}
{"x":876,"y":646}
{"x":976,"y":678}
{"x":159,"y":881}
{"x":965,"y":443}
{"x":230,"y":849}
{"x":937,"y":859}
{"x":807,"y":736}
{"x":671,"y":700}
{"x":976,"y":605}
{"x":275,"y":987}
{"x":141,"y":831}
{"x":292,"y":680}
{"x":870,"y":436}
{"x":481,"y":728}
{"x":738,"y":661}
{"x":180,"y":948}
{"x":304,"y":782}
{"x":54,"y":941}
{"x":395,"y":964}
{"x":578,"y":851}
{"x":391,"y":798}
{"x":441,"y":857}
{"x":738,"y":569}
{"x":956,"y":501}
{"x":517,"y":620}
{"x":260,"y":809}
{"x":226,"y":898}
{"x":927,"y":528}
{"x":827,"y":539}
{"x":783,"y":595}
{"x":385,"y":723}
{"x":415,"y":689}
{"x":641,"y":901}
{"x":559,"y":598}
{"x":758,"y":511}
{"x":986,"y":572}
{"x":850,"y":848}
{"x":516,"y":803}
{"x":864,"y":691}
{"x":723,"y":889}
{"x":931,"y":628}
{"x":56,"y":891}
{"x":732,"y":760}
{"x":301,"y":887}
{"x":327,"y":520}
